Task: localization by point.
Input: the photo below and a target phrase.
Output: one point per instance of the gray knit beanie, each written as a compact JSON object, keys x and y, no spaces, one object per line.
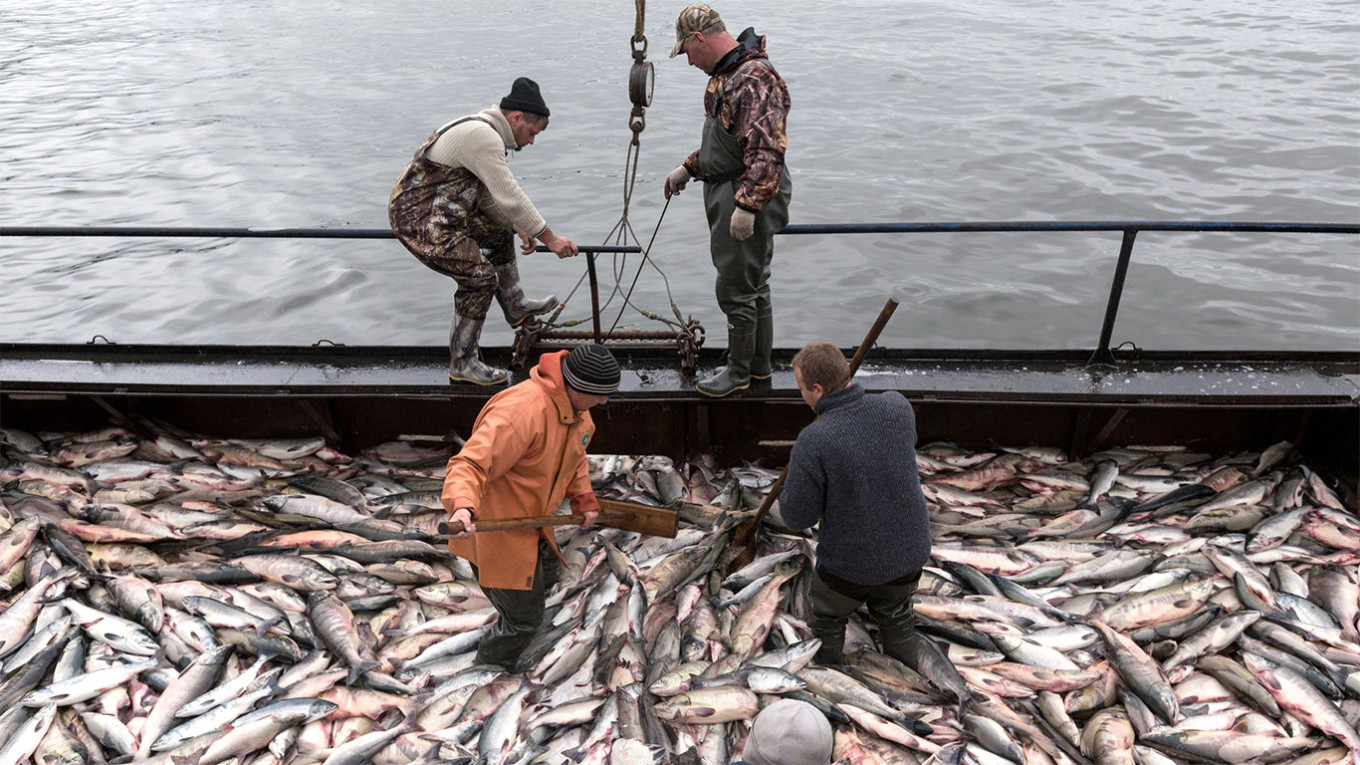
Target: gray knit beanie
{"x":591,"y":369}
{"x":789,"y":732}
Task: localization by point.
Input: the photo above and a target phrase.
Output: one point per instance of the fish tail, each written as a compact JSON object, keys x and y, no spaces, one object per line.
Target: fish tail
{"x":263,"y":627}
{"x":360,"y":669}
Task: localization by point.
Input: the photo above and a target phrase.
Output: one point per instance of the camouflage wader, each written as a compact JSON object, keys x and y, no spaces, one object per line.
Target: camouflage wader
{"x":436,"y":211}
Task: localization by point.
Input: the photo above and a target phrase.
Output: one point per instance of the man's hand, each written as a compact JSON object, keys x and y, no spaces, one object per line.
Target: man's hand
{"x":561,"y":246}
{"x":590,"y":516}
{"x":463,"y":515}
{"x":676,"y":181}
{"x":743,"y":223}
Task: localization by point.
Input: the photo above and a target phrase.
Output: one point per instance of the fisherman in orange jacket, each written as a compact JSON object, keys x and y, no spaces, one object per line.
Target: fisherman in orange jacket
{"x":527,"y":453}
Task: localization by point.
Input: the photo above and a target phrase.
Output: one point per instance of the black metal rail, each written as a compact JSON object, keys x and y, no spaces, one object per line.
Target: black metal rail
{"x":1102,"y":354}
{"x":1129,"y":229}
{"x":198,"y":232}
{"x":1120,"y":225}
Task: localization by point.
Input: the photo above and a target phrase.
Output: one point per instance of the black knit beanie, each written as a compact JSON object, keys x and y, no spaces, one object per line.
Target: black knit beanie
{"x":524,"y":97}
{"x":591,"y":369}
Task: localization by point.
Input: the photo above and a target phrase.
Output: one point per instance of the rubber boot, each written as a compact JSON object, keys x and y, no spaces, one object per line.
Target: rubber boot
{"x":737,"y":374}
{"x":516,"y":306}
{"x":465,"y":364}
{"x":890,"y":606}
{"x":761,"y":368}
{"x":830,"y":611}
{"x":897,"y":629}
{"x":519,"y":617}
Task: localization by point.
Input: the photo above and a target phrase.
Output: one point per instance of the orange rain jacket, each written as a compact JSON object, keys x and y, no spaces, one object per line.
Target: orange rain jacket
{"x":526,"y":454}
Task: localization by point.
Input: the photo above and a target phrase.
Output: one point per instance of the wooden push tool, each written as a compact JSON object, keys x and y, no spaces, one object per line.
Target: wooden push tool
{"x":745,"y":536}
{"x":629,"y":516}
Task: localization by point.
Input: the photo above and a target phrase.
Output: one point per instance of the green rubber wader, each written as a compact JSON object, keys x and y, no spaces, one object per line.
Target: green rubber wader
{"x":743,"y":283}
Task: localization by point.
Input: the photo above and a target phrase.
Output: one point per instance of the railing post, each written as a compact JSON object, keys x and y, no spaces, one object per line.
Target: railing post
{"x":1102,"y":354}
{"x":594,"y":296}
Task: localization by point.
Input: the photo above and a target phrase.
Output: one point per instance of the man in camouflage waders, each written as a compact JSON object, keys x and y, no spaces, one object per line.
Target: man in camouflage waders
{"x":457,"y":206}
{"x":746,"y":185}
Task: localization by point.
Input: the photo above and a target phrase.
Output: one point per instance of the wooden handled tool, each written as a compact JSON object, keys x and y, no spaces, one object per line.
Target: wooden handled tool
{"x":631,"y":516}
{"x":745,"y":535}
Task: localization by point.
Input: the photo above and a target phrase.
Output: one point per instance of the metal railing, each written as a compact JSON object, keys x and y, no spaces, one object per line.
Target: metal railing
{"x":1130,"y":229}
{"x":1102,"y":354}
{"x":199,"y":232}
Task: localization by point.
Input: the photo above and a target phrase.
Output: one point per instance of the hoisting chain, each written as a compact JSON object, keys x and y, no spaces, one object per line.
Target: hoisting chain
{"x":689,"y":332}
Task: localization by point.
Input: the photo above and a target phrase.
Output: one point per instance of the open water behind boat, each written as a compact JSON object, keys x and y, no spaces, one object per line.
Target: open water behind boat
{"x":247,"y":113}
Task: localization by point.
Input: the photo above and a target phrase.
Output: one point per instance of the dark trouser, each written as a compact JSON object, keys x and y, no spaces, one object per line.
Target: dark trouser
{"x":833,"y":600}
{"x":520,"y":613}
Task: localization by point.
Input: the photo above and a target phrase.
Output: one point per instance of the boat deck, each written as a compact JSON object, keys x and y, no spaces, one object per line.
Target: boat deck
{"x":358,"y":396}
{"x":362,"y":395}
{"x":1141,"y":378}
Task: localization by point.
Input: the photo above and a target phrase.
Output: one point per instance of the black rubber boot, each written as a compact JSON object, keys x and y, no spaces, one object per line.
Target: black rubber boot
{"x":890,"y":607}
{"x":519,"y":616}
{"x":831,"y":631}
{"x":516,"y":306}
{"x":896,"y":619}
{"x":737,"y":374}
{"x":922,"y":654}
{"x":830,"y":611}
{"x":465,"y":364}
{"x":761,"y":368}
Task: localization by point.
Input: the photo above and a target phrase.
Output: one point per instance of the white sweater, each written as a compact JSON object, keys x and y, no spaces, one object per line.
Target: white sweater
{"x":482,"y":148}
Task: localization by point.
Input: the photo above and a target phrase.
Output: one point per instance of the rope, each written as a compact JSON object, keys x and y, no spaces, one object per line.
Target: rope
{"x":623,"y":230}
{"x":646,"y":259}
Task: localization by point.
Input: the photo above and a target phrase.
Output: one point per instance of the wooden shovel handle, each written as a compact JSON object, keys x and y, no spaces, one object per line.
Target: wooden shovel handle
{"x":618,"y":514}
{"x":506,"y":524}
{"x":746,"y":534}
{"x":871,"y":338}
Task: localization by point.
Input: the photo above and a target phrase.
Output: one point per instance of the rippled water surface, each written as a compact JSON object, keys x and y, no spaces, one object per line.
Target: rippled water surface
{"x":270,"y":115}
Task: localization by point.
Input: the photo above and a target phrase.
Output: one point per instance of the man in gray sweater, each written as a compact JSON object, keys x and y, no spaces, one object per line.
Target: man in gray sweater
{"x":457,"y":208}
{"x":853,"y":470}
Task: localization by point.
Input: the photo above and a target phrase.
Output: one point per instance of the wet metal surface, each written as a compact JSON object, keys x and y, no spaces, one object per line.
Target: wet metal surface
{"x":357,"y":397}
{"x":1220,"y":379}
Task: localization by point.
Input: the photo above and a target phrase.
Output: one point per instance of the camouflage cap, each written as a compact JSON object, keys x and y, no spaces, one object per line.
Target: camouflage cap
{"x":694,"y":18}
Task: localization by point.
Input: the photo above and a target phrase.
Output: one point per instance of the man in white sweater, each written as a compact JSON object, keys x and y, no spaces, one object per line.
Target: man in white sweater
{"x":457,"y":206}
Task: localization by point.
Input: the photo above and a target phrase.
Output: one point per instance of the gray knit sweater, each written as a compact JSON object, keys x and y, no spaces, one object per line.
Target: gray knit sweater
{"x":854,"y":471}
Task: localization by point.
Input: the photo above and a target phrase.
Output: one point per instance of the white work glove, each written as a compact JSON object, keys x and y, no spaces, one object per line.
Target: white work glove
{"x":743,"y":223}
{"x":676,"y":181}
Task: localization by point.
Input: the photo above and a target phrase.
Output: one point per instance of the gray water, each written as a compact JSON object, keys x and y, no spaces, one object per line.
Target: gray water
{"x":271,"y":115}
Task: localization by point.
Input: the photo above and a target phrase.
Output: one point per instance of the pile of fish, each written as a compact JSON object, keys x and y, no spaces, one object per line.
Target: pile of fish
{"x":171,"y":598}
